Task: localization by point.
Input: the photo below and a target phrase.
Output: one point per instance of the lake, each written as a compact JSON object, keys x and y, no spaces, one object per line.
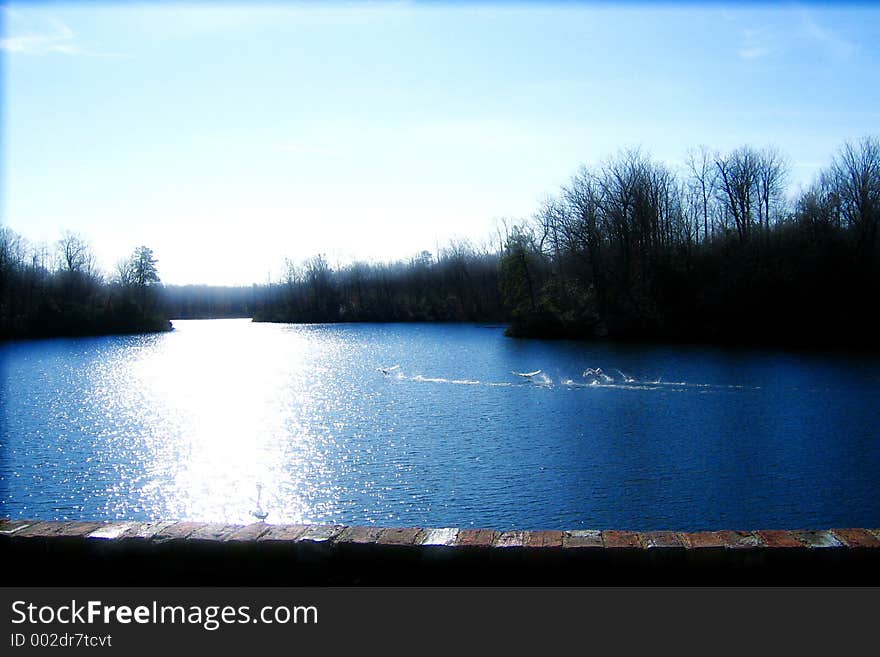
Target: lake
{"x":221,"y":417}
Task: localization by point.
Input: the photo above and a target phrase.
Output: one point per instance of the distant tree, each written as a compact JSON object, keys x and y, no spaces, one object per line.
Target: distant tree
{"x":518,"y":285}
{"x":772,"y":170}
{"x":75,"y":255}
{"x":143,"y":267}
{"x":319,"y":283}
{"x":737,"y":185}
{"x":124,"y":274}
{"x":855,"y":175}
{"x":703,"y":182}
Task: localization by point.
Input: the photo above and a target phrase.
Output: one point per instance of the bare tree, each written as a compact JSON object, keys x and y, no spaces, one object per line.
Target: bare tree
{"x":772,"y":170}
{"x":855,"y":172}
{"x":704,"y":180}
{"x":123,"y":274}
{"x":737,"y":178}
{"x":75,"y":255}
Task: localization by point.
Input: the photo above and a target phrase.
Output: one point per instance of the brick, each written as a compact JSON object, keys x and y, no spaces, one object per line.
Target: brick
{"x":818,"y":539}
{"x":178,"y":530}
{"x":213,"y":532}
{"x":615,"y":539}
{"x":8,"y":527}
{"x":111,"y":530}
{"x":77,"y":529}
{"x":442,"y":536}
{"x":779,"y":538}
{"x":43,"y":528}
{"x":283,"y":533}
{"x":582,"y":538}
{"x":147,"y":530}
{"x":399,"y":536}
{"x":543,"y":539}
{"x":703,"y":540}
{"x":738,"y":540}
{"x":320,"y":533}
{"x":663,"y":540}
{"x":510,"y":539}
{"x":476,"y":537}
{"x":250,"y":532}
{"x":360,"y":535}
{"x":857,"y":538}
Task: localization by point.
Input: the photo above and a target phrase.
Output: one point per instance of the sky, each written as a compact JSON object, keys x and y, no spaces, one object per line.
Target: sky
{"x":228,"y":139}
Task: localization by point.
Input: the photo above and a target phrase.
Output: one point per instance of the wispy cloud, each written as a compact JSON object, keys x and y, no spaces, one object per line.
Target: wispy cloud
{"x":48,"y":37}
{"x":823,"y":36}
{"x":55,"y":37}
{"x":756,"y":43}
{"x":790,"y":32}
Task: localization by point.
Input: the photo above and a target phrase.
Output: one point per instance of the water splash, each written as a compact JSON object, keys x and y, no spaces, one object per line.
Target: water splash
{"x":594,"y":378}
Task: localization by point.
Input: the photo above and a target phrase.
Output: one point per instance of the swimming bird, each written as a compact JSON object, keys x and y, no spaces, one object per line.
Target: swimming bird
{"x":626,"y":377}
{"x":527,"y":375}
{"x":597,"y":374}
{"x":259,"y":513}
{"x":388,"y":370}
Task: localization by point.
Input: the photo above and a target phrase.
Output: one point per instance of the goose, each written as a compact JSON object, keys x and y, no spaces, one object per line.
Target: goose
{"x":527,"y":375}
{"x":388,"y":370}
{"x":259,"y":513}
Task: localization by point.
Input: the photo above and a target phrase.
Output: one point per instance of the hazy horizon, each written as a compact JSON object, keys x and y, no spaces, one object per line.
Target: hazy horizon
{"x":227,"y":139}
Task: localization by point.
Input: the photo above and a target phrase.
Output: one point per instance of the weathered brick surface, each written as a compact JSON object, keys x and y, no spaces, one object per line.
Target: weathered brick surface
{"x":738,"y":540}
{"x":510,"y":539}
{"x":43,"y":528}
{"x":320,"y":533}
{"x":249,"y":532}
{"x":399,"y":535}
{"x":283,"y":532}
{"x":661,"y":539}
{"x":582,"y":538}
{"x":615,"y":539}
{"x":147,"y":530}
{"x":360,"y":535}
{"x":213,"y":532}
{"x":476,"y":537}
{"x":177,"y":531}
{"x":818,"y":539}
{"x":779,"y":538}
{"x":703,"y":540}
{"x":857,"y":538}
{"x":112,"y":530}
{"x":443,"y":536}
{"x":543,"y":539}
{"x":78,"y":529}
{"x":414,"y":536}
{"x":9,"y":527}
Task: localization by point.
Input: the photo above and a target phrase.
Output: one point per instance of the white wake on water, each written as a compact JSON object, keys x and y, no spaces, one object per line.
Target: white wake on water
{"x":590,"y":378}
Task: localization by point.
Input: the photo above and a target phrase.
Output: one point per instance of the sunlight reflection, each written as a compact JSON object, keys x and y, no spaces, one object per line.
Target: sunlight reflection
{"x":223,"y":421}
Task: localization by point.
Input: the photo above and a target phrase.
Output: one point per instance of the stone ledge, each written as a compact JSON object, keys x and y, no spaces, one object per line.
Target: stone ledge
{"x":178,"y":552}
{"x":166,"y":531}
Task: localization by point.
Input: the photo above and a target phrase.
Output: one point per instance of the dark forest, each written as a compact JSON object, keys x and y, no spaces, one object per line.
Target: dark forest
{"x":713,"y":251}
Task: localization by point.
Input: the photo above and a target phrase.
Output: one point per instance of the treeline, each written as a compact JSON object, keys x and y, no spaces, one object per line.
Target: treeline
{"x":461,"y":283}
{"x":714,"y":251}
{"x":211,"y":301}
{"x":60,"y":291}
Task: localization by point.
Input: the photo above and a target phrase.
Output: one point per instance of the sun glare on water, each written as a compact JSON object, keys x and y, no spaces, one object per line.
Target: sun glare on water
{"x":224,"y":421}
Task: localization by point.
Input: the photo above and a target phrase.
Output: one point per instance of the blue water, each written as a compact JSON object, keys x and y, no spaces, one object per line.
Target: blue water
{"x":220,"y":417}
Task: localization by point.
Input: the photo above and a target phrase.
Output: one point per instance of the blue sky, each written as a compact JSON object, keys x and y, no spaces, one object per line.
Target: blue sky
{"x":227,"y":139}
